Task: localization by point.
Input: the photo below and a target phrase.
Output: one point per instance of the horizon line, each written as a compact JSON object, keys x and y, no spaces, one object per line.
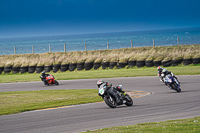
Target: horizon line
{"x":46,"y":35}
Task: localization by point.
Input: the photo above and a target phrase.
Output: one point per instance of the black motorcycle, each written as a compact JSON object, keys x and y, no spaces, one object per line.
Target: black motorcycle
{"x":110,"y":100}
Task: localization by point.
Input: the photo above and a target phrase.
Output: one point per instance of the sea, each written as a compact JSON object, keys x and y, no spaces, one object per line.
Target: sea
{"x":99,"y":41}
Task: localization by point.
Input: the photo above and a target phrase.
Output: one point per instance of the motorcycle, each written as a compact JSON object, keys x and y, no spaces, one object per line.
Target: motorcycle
{"x":110,"y":100}
{"x":172,"y":82}
{"x":51,"y":80}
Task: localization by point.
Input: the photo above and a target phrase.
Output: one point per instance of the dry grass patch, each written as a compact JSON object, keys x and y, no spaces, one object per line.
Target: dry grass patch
{"x":122,"y":55}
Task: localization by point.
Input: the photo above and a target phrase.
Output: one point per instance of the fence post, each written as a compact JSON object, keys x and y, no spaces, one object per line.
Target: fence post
{"x":107,"y":45}
{"x":32,"y":49}
{"x":153,"y":43}
{"x":85,"y":47}
{"x":178,"y":41}
{"x":65,"y":47}
{"x":131,"y":43}
{"x":14,"y":50}
{"x":49,"y":48}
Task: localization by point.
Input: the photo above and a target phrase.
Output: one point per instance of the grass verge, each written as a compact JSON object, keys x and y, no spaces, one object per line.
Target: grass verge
{"x":108,"y":73}
{"x":190,"y":125}
{"x":20,"y":101}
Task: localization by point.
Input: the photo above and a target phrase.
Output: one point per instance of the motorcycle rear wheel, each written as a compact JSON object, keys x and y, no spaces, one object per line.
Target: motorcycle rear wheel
{"x":129,"y":100}
{"x":110,"y":103}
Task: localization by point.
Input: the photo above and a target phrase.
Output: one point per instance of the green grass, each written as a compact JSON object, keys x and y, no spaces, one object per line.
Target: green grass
{"x":20,"y":101}
{"x":108,"y":73}
{"x":190,"y":125}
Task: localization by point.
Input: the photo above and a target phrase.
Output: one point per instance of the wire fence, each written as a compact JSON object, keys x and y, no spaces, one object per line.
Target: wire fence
{"x":28,"y":49}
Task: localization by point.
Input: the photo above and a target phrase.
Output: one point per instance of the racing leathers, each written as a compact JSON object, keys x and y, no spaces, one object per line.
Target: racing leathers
{"x":159,"y":74}
{"x":43,"y":78}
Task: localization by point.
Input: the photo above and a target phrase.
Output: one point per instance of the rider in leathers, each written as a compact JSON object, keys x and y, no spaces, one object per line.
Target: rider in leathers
{"x":159,"y":73}
{"x":114,"y":91}
{"x":43,"y":77}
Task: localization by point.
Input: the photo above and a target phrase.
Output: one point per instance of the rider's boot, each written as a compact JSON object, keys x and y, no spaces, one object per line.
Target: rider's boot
{"x":162,"y":80}
{"x":45,"y":83}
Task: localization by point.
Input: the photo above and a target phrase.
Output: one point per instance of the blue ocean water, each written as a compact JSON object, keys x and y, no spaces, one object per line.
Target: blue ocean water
{"x":98,"y":41}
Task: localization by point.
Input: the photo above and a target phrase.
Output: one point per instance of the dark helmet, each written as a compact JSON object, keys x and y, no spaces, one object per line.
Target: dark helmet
{"x":43,"y":73}
{"x":119,"y":88}
{"x":100,"y":82}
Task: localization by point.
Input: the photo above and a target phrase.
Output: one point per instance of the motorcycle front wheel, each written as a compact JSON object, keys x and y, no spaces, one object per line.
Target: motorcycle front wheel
{"x":129,"y":100}
{"x":56,"y":82}
{"x":175,"y":87}
{"x":110,"y":102}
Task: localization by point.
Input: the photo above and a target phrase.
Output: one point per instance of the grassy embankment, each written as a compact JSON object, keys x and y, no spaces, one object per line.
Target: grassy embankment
{"x":116,"y":55}
{"x":162,"y":53}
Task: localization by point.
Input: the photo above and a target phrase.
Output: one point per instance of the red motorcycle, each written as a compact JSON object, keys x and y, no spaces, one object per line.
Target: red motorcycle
{"x":51,"y":80}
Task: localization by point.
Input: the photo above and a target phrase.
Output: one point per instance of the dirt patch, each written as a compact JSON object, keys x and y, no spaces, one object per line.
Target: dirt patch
{"x":137,"y":94}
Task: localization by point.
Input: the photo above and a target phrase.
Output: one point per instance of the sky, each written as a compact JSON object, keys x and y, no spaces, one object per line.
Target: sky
{"x":66,"y":17}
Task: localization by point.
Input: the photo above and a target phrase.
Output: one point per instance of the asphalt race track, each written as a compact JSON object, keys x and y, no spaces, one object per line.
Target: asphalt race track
{"x":162,"y":104}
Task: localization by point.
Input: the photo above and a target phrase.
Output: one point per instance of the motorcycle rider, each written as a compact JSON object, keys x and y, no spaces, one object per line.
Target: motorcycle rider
{"x":43,"y":77}
{"x":112,"y":90}
{"x":159,"y":73}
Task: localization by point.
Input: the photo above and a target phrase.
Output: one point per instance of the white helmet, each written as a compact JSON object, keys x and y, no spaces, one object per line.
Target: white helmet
{"x":100,"y":82}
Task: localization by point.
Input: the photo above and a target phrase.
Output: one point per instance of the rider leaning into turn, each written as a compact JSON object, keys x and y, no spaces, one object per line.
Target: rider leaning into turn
{"x":112,"y":90}
{"x":165,"y":72}
{"x":43,"y":77}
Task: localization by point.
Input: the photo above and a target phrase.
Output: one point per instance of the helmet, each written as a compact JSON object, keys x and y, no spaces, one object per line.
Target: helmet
{"x":99,"y":83}
{"x":159,"y":67}
{"x":164,"y":70}
{"x":43,"y":73}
